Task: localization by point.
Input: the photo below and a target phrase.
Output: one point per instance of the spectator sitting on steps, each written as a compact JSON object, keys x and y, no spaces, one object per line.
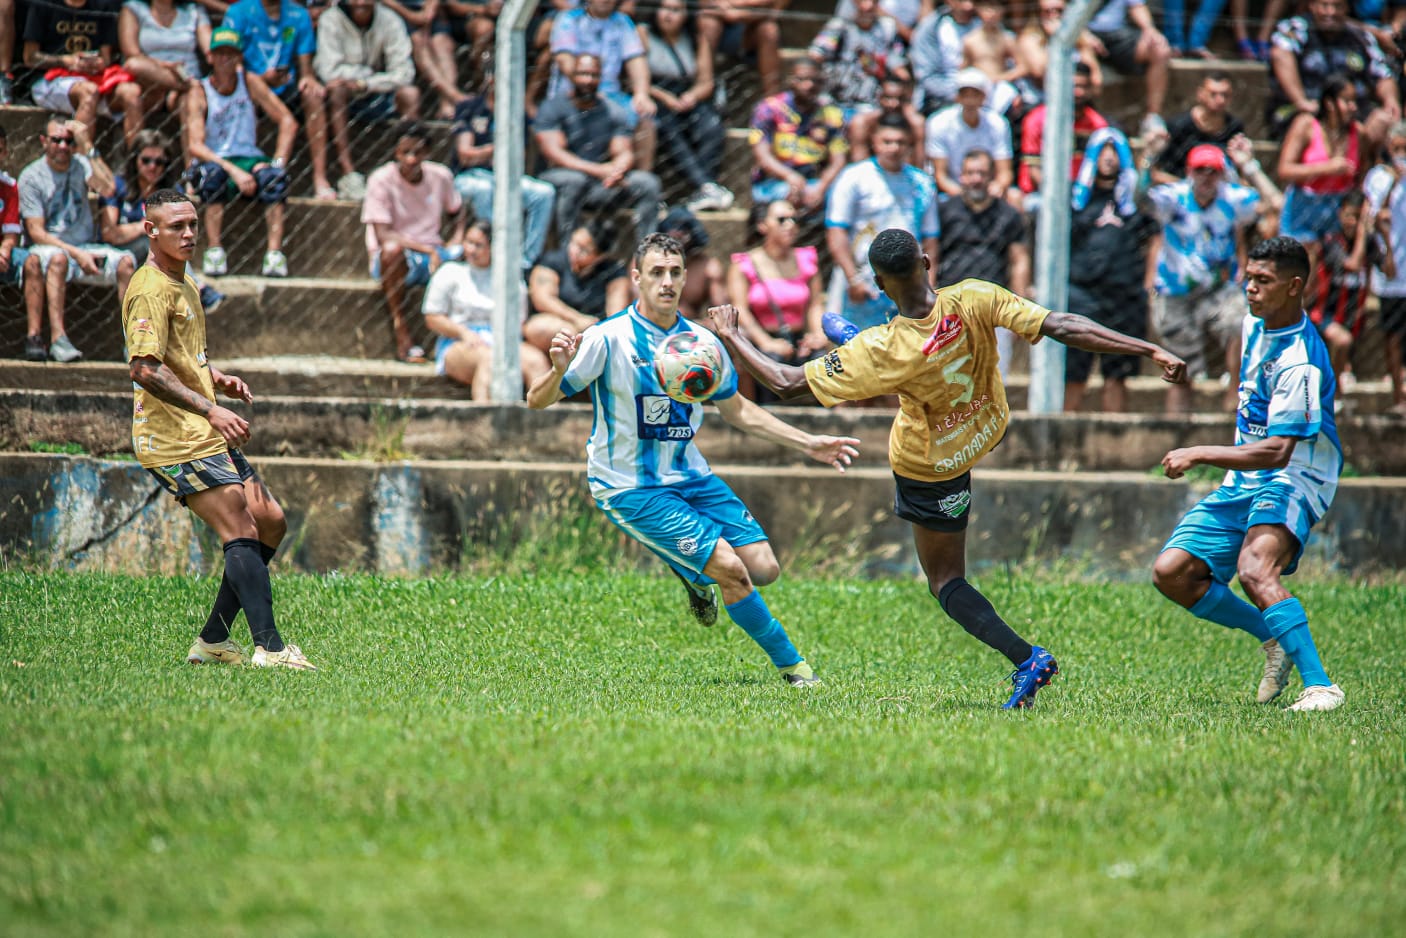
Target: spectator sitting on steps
{"x":406,"y":203}
{"x":220,"y":134}
{"x":72,"y":43}
{"x":62,"y":231}
{"x":18,"y":265}
{"x":363,"y":58}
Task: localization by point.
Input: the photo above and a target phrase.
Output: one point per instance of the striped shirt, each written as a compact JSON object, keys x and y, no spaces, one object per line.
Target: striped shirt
{"x":640,"y":437}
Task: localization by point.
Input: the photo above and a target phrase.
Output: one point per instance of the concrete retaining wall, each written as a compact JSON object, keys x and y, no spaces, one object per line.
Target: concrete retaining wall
{"x":1374,"y":444}
{"x":408,"y":518}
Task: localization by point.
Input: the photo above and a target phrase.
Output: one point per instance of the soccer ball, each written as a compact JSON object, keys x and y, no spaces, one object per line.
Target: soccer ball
{"x":689,"y":366}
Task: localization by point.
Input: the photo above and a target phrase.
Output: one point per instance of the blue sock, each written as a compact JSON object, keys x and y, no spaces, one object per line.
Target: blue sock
{"x":1223,"y":607}
{"x":1288,"y":623}
{"x":756,"y":620}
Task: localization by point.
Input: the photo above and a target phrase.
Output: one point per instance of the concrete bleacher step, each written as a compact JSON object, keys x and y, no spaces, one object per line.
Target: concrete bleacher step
{"x":328,"y":376}
{"x":323,"y":239}
{"x":443,"y":429}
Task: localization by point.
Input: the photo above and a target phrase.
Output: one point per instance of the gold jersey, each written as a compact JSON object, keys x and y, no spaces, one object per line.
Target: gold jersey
{"x":944,"y":369}
{"x":163,"y":319}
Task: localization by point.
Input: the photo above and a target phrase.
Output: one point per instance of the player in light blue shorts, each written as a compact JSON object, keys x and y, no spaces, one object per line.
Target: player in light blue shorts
{"x":646,"y":472}
{"x":1282,"y":474}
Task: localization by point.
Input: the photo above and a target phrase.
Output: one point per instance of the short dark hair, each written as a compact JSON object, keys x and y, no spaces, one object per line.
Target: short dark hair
{"x":1353,"y":198}
{"x":603,"y":232}
{"x":980,"y":154}
{"x":658,"y":241}
{"x":484,"y":227}
{"x":893,"y":121}
{"x":167,"y":197}
{"x":894,"y":253}
{"x":1216,"y":74}
{"x":413,"y":130}
{"x":1286,"y":254}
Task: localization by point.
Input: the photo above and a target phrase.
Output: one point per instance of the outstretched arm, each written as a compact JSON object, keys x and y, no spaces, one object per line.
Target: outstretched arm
{"x":1083,"y":333}
{"x":751,"y":419}
{"x":786,"y":381}
{"x":1270,"y":453}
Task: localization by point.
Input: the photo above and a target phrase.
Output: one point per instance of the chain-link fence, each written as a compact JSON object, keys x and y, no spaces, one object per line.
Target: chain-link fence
{"x":329,"y":304}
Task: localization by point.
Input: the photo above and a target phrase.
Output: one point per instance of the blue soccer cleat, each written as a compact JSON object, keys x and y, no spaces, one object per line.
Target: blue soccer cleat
{"x":837,"y":328}
{"x":1034,"y":673}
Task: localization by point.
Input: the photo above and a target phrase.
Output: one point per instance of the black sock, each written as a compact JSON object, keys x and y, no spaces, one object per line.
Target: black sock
{"x":973,"y":612}
{"x":247,"y":575}
{"x":226,"y":608}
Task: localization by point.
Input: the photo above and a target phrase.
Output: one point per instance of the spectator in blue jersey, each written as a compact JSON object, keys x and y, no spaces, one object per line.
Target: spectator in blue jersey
{"x":123,"y":214}
{"x":1282,"y":474}
{"x":279,"y":43}
{"x":471,"y":159}
{"x":644,"y":467}
{"x":1206,"y":224}
{"x":882,"y":192}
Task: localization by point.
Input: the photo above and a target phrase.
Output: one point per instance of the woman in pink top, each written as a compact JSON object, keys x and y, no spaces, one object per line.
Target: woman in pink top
{"x":1321,"y":161}
{"x":776,"y":288}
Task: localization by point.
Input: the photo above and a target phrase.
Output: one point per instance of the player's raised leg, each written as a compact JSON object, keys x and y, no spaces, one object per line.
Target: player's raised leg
{"x":943,"y":555}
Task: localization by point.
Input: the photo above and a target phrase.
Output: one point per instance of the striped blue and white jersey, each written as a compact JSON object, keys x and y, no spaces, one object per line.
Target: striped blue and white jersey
{"x":1286,"y":389}
{"x":640,"y":437}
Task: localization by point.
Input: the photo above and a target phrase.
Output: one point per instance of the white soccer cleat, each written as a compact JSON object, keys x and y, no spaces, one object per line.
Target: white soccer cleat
{"x":1277,"y":665}
{"x":1319,"y":697}
{"x":290,"y":657}
{"x":225,"y":652}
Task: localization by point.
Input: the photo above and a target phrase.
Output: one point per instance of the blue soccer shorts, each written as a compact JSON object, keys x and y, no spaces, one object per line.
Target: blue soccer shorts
{"x":682,"y":523}
{"x":1214,"y":530}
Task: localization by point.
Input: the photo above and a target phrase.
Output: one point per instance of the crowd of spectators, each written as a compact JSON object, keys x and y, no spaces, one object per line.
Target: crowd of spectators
{"x":902,"y":113}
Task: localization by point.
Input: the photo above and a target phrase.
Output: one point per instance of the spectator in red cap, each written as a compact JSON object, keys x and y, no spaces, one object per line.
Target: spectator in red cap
{"x":1205,"y":223}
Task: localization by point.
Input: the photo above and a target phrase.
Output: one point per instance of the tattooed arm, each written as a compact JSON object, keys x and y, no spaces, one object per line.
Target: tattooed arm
{"x":158,"y":380}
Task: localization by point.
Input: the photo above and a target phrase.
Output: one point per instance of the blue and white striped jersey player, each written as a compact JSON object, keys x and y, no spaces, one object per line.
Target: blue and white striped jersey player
{"x":1282,"y":474}
{"x":647,"y":474}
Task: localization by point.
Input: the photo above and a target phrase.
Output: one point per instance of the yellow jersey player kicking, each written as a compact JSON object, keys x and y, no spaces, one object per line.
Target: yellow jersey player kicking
{"x":939,"y":356}
{"x":190,"y":443}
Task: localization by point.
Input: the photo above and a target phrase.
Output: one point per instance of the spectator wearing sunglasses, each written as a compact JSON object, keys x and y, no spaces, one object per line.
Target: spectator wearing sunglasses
{"x":123,"y":214}
{"x":54,"y":204}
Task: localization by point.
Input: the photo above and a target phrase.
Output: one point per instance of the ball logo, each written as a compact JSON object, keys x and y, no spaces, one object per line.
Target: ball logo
{"x":944,"y":335}
{"x":688,"y":546}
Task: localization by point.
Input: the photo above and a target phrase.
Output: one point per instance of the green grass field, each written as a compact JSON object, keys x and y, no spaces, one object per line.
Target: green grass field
{"x":542,"y":756}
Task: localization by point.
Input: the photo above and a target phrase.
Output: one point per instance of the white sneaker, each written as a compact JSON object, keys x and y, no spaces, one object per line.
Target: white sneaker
{"x":1319,"y":697}
{"x":215,"y":264}
{"x":711,"y":197}
{"x":1277,"y":665}
{"x":290,"y":657}
{"x":352,"y":187}
{"x":225,"y":652}
{"x":275,"y":264}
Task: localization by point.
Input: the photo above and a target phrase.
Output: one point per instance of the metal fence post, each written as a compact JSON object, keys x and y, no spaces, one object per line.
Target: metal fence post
{"x":1052,"y":222}
{"x":510,"y":109}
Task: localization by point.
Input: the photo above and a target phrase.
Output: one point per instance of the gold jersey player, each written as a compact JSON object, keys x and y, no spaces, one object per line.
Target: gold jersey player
{"x":190,"y":443}
{"x":939,"y":356}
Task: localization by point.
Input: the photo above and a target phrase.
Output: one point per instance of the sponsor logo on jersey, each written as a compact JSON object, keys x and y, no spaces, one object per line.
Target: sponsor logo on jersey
{"x":639,"y":362}
{"x":1263,"y":504}
{"x":947,"y":332}
{"x":833,"y":365}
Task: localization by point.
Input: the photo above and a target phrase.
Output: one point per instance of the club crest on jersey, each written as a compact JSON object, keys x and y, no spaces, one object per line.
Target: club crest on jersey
{"x":955,"y":505}
{"x":688,"y":546}
{"x":947,"y":332}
